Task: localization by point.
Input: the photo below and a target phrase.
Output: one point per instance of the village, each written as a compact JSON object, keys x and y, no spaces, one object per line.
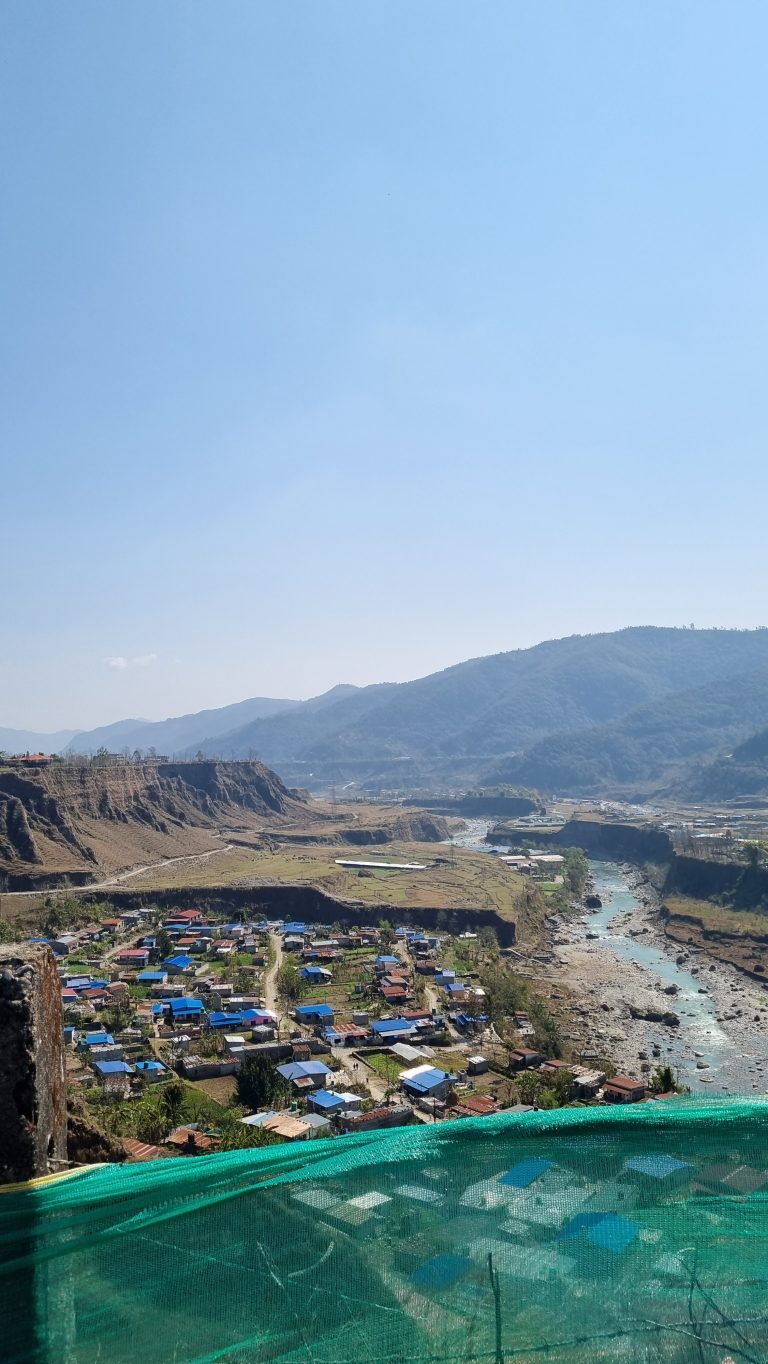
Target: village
{"x":186,"y":1034}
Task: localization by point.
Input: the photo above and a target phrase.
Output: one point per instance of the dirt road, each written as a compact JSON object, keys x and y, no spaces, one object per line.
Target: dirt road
{"x":269,"y":984}
{"x":119,"y":877}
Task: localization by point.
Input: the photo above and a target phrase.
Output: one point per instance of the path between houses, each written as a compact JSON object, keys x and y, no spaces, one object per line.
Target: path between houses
{"x":269,"y":992}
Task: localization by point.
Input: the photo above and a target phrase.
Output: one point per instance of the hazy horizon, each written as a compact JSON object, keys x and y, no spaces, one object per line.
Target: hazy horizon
{"x":349,"y":342}
{"x":232,"y":700}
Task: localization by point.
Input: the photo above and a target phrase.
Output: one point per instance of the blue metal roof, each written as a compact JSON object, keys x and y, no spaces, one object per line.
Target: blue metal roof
{"x":151,"y":977}
{"x":299,"y":929}
{"x":99,"y":1039}
{"x":181,"y":961}
{"x":299,"y":1070}
{"x":525,"y":1172}
{"x":385,"y":1025}
{"x":113,"y":1068}
{"x":426,"y":1081}
{"x":323,"y":1098}
{"x":150,"y":1065}
{"x":315,"y":1011}
{"x":186,"y":1006}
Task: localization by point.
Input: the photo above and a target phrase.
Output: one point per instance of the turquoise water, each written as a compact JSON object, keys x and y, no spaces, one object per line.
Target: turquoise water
{"x":736,"y":1054}
{"x":699,"y":1029}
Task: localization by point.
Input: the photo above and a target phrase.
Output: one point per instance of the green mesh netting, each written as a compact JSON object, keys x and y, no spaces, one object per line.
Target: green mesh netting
{"x":592,"y":1234}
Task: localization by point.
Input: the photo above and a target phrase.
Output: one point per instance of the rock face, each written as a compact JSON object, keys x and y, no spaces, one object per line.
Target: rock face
{"x":63,"y":818}
{"x":413,"y":827}
{"x":33,"y":1103}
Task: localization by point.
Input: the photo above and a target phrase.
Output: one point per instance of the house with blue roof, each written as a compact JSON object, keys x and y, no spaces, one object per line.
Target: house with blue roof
{"x":325,"y":1101}
{"x":314,"y":1013}
{"x":425,"y":1082}
{"x":384,"y":962}
{"x":304,"y":1075}
{"x":115,"y":1075}
{"x":185,"y":1007}
{"x":97,"y":1039}
{"x":385,"y":1028}
{"x":219,"y":1019}
{"x":315,"y":975}
{"x":152,"y":977}
{"x":178,"y":964}
{"x":296,"y":930}
{"x":151,"y":1070}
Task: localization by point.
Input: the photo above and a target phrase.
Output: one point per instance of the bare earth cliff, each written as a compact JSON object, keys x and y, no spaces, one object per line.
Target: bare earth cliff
{"x":81,"y":820}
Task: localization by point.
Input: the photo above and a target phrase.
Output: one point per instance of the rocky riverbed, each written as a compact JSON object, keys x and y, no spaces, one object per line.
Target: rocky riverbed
{"x":645,"y":1001}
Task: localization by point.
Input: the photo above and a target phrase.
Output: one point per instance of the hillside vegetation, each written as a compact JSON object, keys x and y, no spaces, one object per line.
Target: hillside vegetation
{"x":654,"y":747}
{"x":459,"y":721}
{"x":633,"y":712}
{"x":741,"y":774}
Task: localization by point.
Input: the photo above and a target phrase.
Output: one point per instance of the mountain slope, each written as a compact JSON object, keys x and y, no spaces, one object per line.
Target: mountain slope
{"x":650,"y":748}
{"x":461,"y":719}
{"x":76,"y":818}
{"x":32,"y":741}
{"x":180,"y":733}
{"x":740,"y":774}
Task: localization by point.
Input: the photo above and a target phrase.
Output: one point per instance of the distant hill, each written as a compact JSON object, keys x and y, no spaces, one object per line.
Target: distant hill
{"x":177,"y":735}
{"x":741,"y":774}
{"x":654,"y":747}
{"x":32,"y":741}
{"x":459,"y":723}
{"x":631,"y":711}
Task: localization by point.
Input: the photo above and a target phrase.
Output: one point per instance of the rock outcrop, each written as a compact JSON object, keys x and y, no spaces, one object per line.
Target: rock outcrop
{"x":73,"y":818}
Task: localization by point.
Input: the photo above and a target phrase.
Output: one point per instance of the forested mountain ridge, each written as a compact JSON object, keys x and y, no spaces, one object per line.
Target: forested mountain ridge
{"x":633,"y":709}
{"x":743,"y":773}
{"x":467,"y":717}
{"x":652,"y":748}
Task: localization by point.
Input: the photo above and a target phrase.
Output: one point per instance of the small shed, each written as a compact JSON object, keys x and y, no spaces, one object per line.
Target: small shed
{"x":477,"y":1065}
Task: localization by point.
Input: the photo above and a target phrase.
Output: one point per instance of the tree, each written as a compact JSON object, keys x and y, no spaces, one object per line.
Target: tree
{"x":663,"y":1080}
{"x":258,"y":1085}
{"x":575,"y":871}
{"x":149,"y":1123}
{"x":7,"y":934}
{"x":164,"y":944}
{"x":528,"y":1085}
{"x":290,"y":985}
{"x":387,"y":935}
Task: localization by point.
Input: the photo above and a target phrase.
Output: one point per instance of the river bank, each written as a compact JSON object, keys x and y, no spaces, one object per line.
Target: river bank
{"x":626,"y":968}
{"x":615,"y":964}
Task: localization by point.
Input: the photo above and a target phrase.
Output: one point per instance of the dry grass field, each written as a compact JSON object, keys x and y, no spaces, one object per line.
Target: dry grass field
{"x":451,"y":879}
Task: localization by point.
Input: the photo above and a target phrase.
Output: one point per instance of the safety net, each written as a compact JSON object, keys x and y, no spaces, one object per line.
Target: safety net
{"x":585,"y":1234}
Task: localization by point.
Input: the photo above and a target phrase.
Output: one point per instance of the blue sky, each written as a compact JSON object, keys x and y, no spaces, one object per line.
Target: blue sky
{"x":345,"y":341}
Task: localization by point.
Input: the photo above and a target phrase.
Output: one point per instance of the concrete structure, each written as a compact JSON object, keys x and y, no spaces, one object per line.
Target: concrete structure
{"x":33,"y":1104}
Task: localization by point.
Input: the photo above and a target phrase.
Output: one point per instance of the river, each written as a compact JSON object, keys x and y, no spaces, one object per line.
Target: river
{"x":732,"y":1059}
{"x":721,"y":1043}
